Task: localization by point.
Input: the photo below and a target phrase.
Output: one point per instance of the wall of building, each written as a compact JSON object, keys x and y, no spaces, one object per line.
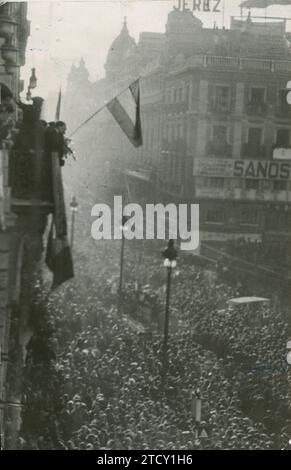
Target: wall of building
{"x":14,"y":30}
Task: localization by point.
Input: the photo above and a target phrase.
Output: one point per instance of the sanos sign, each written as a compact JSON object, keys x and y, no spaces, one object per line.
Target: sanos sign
{"x":231,"y":168}
{"x":262,"y":170}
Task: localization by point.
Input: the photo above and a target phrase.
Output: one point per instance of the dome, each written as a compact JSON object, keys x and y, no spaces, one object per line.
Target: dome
{"x":121,"y":48}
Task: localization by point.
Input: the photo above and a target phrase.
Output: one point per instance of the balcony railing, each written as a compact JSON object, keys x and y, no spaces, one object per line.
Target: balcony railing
{"x":179,"y":107}
{"x":219,"y":107}
{"x":256,"y":108}
{"x":218,"y":149}
{"x":229,"y":62}
{"x":220,"y":61}
{"x":283,"y":111}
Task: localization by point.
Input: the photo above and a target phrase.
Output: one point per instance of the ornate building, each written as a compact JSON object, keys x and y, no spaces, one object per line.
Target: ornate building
{"x":22,"y":224}
{"x":215,"y":122}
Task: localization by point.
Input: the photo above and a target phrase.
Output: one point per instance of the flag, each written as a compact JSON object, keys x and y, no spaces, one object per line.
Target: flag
{"x":58,"y":252}
{"x":125,"y":108}
{"x":59,"y":258}
{"x":58,"y":109}
{"x":263,"y":3}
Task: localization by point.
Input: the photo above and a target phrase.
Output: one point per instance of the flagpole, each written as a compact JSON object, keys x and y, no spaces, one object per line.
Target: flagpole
{"x":100,"y":109}
{"x":59,"y":102}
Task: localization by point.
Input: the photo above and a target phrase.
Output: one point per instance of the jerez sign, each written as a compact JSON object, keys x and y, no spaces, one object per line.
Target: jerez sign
{"x":199,"y":5}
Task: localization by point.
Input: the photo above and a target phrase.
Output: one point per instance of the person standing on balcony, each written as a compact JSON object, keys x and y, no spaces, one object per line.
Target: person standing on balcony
{"x":55,"y":140}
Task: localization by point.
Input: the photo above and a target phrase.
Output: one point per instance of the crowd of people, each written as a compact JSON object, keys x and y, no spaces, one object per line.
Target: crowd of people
{"x":94,"y":381}
{"x":259,"y":252}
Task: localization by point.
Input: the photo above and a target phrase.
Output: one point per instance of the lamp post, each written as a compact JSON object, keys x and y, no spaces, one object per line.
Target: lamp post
{"x":32,"y":84}
{"x":28,"y":94}
{"x":74,"y":207}
{"x":32,"y":79}
{"x":170,"y":256}
{"x":123,"y":228}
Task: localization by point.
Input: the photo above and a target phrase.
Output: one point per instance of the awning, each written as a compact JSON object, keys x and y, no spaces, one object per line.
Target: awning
{"x":248,"y":300}
{"x":145,"y":176}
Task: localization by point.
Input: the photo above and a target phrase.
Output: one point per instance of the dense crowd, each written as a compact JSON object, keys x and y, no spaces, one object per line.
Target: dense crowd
{"x":259,"y":252}
{"x":93,"y":380}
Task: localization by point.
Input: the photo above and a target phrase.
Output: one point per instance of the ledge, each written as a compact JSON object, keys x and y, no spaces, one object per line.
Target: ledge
{"x":30,"y":203}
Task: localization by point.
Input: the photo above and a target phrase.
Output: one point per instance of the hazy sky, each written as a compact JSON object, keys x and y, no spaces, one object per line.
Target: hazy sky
{"x":62,"y":32}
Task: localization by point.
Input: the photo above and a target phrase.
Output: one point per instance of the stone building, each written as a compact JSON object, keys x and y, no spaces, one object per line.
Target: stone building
{"x":216,"y":123}
{"x":23,"y":220}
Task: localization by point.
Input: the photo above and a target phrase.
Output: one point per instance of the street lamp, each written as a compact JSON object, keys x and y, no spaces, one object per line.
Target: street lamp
{"x":74,"y":207}
{"x":32,"y":84}
{"x":170,"y":256}
{"x":123,"y":229}
{"x":33,"y":79}
{"x":28,"y":94}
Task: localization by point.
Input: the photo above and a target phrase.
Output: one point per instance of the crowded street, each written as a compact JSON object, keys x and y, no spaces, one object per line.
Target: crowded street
{"x":145,"y":221}
{"x":94,"y":381}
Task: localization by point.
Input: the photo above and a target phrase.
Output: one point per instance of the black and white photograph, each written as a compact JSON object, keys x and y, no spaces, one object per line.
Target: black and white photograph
{"x":145,"y":228}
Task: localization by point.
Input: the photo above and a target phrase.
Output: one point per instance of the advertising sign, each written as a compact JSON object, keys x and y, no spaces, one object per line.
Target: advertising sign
{"x":233,"y":168}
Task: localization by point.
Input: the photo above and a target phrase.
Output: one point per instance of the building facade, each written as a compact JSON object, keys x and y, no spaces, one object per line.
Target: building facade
{"x":215,"y":119}
{"x":14,"y":31}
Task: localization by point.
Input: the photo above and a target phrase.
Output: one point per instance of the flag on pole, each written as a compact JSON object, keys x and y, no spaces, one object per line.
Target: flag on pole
{"x":58,"y":109}
{"x":125,"y":108}
{"x":58,"y":252}
{"x":58,"y":258}
{"x":263,"y":3}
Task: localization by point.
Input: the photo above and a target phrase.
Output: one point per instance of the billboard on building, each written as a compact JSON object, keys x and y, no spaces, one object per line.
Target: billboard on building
{"x":234,"y":168}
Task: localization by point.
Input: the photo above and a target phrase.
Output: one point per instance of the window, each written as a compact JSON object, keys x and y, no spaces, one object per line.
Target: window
{"x":253,"y":148}
{"x":215,"y":215}
{"x":282,"y":98}
{"x":220,"y":133}
{"x":249,"y":216}
{"x":166,"y":132}
{"x":252,"y":184}
{"x":219,"y":146}
{"x":187,"y":94}
{"x":222,"y":95}
{"x":284,"y":108}
{"x":257,"y":105}
{"x":180,"y":95}
{"x":258,"y":95}
{"x":283,"y":138}
{"x":152,"y":137}
{"x":174,"y":95}
{"x":255,"y":136}
{"x":173,"y":133}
